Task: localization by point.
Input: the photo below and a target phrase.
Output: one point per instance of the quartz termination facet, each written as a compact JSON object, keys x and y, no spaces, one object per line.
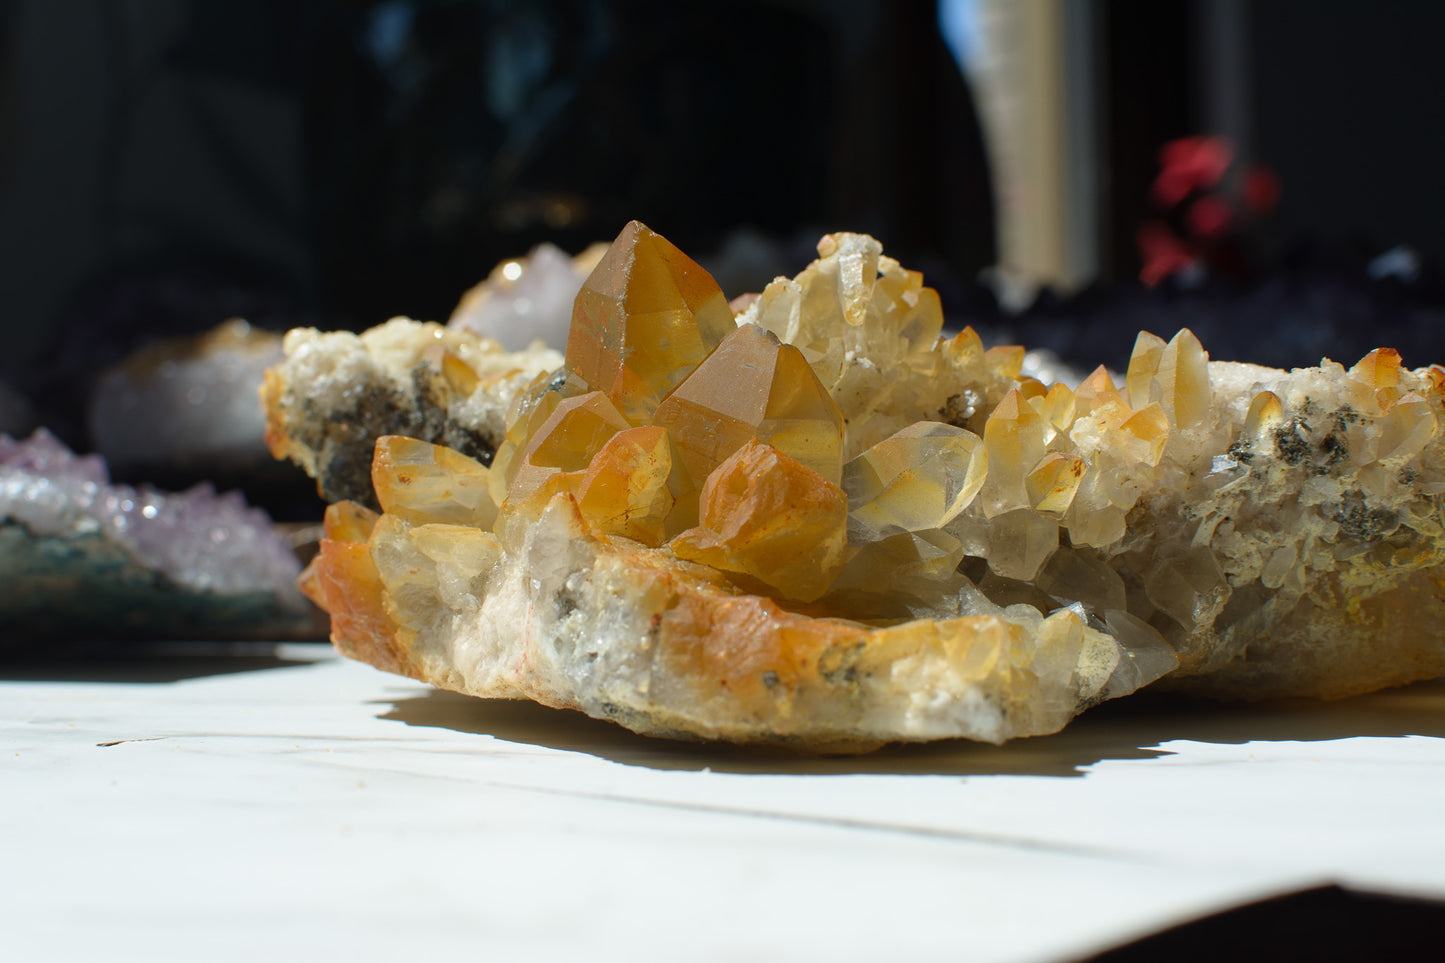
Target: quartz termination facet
{"x":821,"y":523}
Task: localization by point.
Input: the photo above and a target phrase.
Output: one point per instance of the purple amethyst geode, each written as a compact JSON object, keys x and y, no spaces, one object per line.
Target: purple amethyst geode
{"x":83,"y":558}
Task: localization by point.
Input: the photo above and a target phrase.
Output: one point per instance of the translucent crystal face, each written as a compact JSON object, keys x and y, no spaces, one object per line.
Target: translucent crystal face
{"x":624,"y":489}
{"x":645,"y":317}
{"x":918,"y":479}
{"x":825,"y":512}
{"x":425,"y":483}
{"x":768,"y":516}
{"x":753,"y":387}
{"x":566,"y":440}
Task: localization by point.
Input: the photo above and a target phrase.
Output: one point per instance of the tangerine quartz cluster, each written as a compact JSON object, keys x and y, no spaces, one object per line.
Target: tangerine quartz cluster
{"x":820,"y":522}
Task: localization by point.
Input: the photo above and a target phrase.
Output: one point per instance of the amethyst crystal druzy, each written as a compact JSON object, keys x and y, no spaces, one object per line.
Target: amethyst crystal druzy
{"x":81,"y":557}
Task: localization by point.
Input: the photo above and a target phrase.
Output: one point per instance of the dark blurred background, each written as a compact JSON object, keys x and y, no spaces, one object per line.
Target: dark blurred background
{"x":168,"y":164}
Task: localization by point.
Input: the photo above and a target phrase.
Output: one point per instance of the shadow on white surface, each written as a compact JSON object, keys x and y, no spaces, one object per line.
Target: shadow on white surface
{"x":1134,"y":728}
{"x":150,"y":663}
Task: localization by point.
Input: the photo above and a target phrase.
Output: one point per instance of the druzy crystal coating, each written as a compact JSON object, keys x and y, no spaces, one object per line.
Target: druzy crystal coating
{"x":80,"y":554}
{"x":199,"y":537}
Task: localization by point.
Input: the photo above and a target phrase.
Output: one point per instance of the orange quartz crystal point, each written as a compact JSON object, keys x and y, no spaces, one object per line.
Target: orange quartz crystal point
{"x":565,"y":442}
{"x":423,"y":483}
{"x":624,"y":489}
{"x":645,"y":317}
{"x":768,"y":516}
{"x":753,"y":387}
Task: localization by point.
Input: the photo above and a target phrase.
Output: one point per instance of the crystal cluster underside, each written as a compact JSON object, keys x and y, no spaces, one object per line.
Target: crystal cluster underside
{"x":821,"y":522}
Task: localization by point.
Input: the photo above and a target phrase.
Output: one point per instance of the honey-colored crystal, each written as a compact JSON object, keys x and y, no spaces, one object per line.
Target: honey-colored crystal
{"x":645,"y":317}
{"x":751,"y":388}
{"x":1057,"y":406}
{"x":1143,"y":367}
{"x":867,"y":327}
{"x":771,"y":517}
{"x":1142,"y":436}
{"x":565,"y":441}
{"x":1054,"y":481}
{"x":917,"y":479}
{"x":1265,"y":414}
{"x":624,"y":489}
{"x":869,"y":533}
{"x":1015,"y":437}
{"x":422,"y":483}
{"x":1173,"y":374}
{"x":1183,"y":380}
{"x":343,"y":523}
{"x":348,"y":522}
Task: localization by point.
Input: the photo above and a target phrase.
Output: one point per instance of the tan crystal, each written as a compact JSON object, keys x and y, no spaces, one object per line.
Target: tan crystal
{"x":753,"y":387}
{"x":645,"y":317}
{"x":878,"y":566}
{"x":1094,"y":518}
{"x":1073,"y":574}
{"x":1243,"y":530}
{"x":919,"y":478}
{"x":565,"y":441}
{"x":624,"y":489}
{"x":769,"y":516}
{"x":1020,"y":542}
{"x":1406,"y":428}
{"x":422,"y":483}
{"x":1189,"y":588}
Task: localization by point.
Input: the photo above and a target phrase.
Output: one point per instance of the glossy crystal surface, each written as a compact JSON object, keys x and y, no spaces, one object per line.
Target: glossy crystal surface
{"x":825,"y":523}
{"x":645,"y":317}
{"x":917,"y":479}
{"x":771,"y":517}
{"x":753,"y":388}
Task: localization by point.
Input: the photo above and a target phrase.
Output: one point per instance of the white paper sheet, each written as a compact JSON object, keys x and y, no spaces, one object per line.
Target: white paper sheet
{"x":168,"y":807}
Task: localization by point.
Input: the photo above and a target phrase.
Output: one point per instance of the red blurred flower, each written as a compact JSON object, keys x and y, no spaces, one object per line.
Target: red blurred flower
{"x":1261,"y":190}
{"x":1162,"y":253}
{"x":1209,"y":217}
{"x":1190,"y":164}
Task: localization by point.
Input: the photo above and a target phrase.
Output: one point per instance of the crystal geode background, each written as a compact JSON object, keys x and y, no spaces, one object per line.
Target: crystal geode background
{"x":83,"y":558}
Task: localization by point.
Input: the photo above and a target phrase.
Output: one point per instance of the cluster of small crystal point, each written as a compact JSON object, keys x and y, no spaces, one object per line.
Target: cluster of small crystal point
{"x":83,"y":557}
{"x":830,"y":454}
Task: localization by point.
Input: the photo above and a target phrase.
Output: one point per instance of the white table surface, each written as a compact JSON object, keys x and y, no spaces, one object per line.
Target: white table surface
{"x":177,"y":806}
